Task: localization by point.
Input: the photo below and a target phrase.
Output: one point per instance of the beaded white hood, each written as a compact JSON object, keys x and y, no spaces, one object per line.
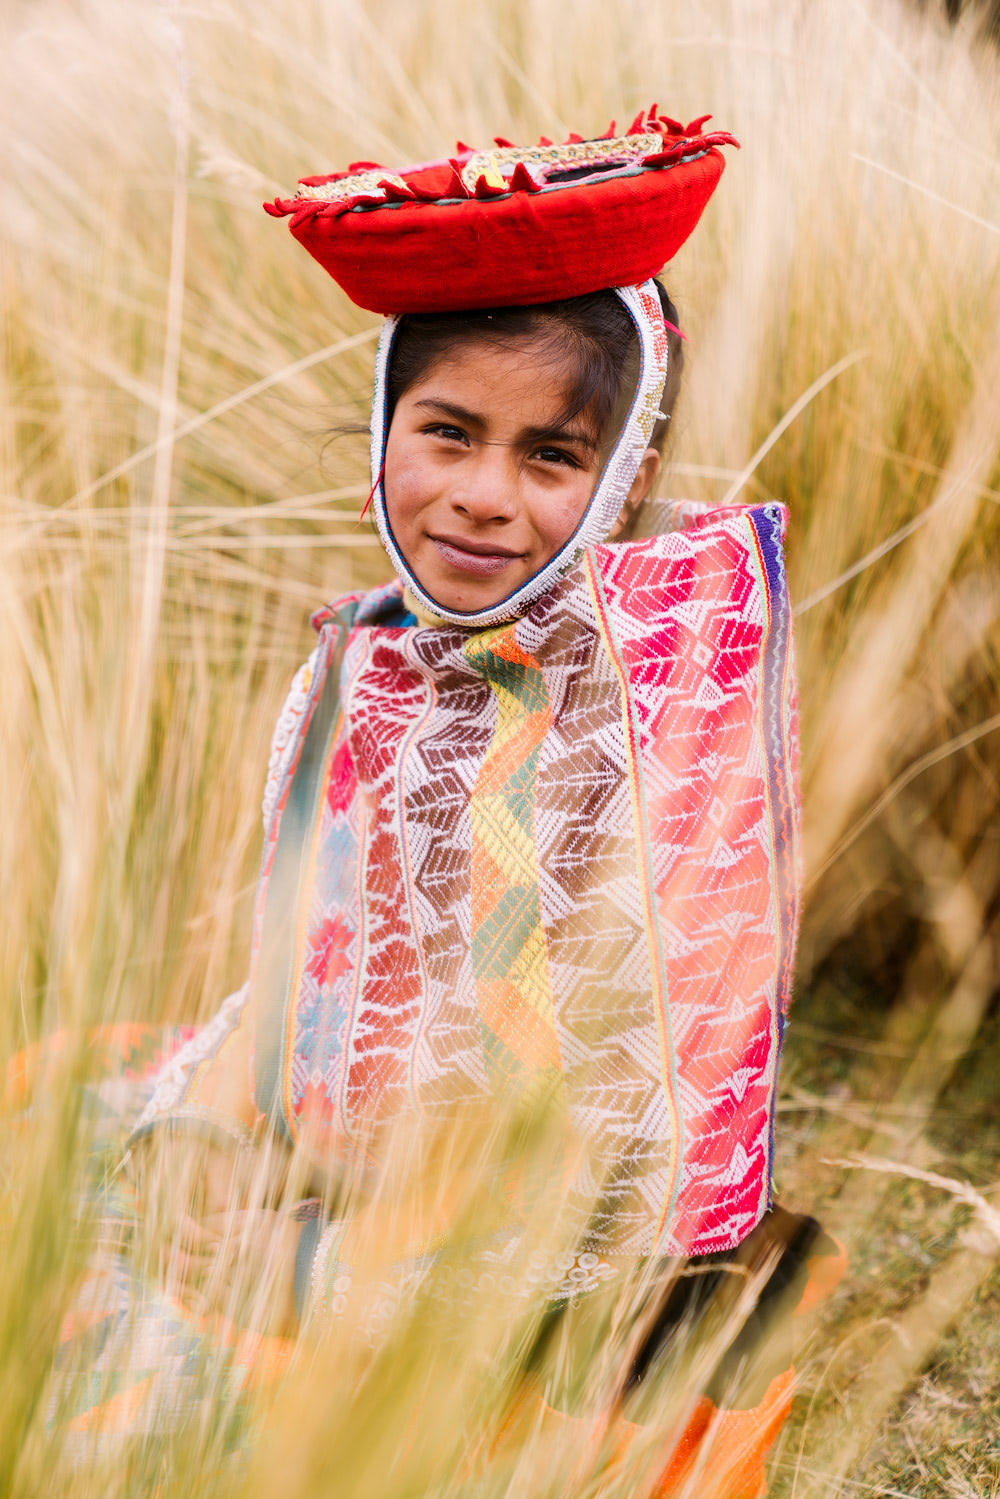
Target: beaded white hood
{"x":643,"y":306}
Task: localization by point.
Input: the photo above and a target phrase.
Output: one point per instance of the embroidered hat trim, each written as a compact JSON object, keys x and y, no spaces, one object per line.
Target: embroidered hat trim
{"x":511,"y":225}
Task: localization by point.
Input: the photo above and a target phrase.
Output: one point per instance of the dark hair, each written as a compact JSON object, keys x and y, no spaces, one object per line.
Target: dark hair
{"x":595,"y":328}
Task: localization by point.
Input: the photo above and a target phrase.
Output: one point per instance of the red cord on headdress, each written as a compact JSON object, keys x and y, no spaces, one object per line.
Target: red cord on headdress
{"x":375,"y":486}
{"x":674,"y":329}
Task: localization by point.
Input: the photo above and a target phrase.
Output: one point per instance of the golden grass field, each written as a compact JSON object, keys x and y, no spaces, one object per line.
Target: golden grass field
{"x":173,"y":506}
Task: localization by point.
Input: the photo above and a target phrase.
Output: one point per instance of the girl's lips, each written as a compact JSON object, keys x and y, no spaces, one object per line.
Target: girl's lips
{"x":481,"y":564}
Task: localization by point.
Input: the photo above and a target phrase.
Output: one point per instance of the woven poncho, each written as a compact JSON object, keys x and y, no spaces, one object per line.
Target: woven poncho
{"x":562,"y":849}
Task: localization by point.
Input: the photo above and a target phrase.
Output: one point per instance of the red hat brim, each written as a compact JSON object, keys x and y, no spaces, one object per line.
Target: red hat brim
{"x":512,"y":248}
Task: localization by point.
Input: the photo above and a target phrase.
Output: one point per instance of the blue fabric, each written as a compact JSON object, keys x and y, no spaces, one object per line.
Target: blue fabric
{"x":305,"y":1252}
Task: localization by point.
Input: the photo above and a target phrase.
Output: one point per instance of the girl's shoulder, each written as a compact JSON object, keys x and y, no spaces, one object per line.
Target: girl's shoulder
{"x":376,"y":606}
{"x":661,"y":517}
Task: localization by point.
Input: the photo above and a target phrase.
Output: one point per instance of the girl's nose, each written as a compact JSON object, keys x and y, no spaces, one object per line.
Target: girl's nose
{"x":486,"y":488}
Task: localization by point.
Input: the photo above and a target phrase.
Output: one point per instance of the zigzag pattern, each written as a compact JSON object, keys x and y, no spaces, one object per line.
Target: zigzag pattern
{"x":509,"y":947}
{"x":564,"y":850}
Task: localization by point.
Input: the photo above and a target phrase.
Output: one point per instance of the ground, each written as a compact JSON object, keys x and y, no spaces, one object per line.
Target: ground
{"x":940,"y":1437}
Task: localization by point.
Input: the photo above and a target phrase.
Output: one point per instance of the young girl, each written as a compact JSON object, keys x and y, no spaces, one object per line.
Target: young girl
{"x":531,"y":819}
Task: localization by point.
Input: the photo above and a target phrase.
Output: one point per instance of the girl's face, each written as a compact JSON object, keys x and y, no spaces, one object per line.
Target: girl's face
{"x":482,"y":483}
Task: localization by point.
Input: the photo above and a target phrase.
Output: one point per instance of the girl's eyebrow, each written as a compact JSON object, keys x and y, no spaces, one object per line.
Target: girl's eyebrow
{"x":575,"y":435}
{"x":448,"y":408}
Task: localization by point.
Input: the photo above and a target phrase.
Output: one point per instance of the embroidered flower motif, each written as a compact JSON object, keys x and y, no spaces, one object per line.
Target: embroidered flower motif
{"x":316,"y":1102}
{"x":342,"y":779}
{"x":328,"y":957}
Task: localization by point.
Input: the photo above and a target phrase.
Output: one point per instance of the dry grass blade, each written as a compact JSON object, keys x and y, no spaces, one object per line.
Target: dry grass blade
{"x":170,"y":371}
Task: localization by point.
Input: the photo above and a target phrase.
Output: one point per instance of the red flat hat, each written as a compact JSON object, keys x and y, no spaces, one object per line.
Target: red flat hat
{"x":513,"y":225}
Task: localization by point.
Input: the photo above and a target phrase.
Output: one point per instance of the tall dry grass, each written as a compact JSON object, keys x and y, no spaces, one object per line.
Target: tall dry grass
{"x":173,"y":507}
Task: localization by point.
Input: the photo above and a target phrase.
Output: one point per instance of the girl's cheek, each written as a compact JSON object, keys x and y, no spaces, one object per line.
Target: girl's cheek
{"x":556,"y":516}
{"x":408,"y":487}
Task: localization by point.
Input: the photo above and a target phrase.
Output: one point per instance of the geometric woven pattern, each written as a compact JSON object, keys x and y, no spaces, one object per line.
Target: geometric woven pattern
{"x":509,"y":951}
{"x":559,"y":851}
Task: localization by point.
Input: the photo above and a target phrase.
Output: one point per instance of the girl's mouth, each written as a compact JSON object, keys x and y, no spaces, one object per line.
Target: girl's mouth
{"x":482,"y":560}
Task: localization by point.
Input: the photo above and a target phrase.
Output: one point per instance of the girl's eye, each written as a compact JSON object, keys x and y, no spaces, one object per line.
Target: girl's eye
{"x":556,"y":455}
{"x":448,"y":432}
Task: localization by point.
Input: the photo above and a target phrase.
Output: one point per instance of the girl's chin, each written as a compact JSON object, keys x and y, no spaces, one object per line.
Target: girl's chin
{"x":466,"y":600}
{"x":470,"y":594}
